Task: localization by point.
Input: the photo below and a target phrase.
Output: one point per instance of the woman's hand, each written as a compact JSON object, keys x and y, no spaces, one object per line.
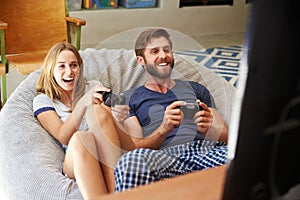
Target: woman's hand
{"x":98,"y":94}
{"x":94,"y":96}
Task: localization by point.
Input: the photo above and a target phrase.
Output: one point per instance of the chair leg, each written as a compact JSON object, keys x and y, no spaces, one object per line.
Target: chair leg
{"x":3,"y":90}
{"x":0,"y":96}
{"x":3,"y":96}
{"x":0,"y":100}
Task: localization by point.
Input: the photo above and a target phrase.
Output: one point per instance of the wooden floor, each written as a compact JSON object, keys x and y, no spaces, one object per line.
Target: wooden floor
{"x":205,"y":185}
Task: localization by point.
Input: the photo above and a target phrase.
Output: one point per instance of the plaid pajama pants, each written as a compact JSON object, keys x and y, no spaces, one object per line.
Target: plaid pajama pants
{"x":142,"y":166}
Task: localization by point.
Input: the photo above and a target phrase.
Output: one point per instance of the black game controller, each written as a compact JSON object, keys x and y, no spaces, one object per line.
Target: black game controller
{"x":190,"y":109}
{"x":112,"y":99}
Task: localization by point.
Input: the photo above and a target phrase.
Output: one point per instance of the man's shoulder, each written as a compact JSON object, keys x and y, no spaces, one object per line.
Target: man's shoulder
{"x":188,"y":82}
{"x":131,"y":91}
{"x":134,"y":91}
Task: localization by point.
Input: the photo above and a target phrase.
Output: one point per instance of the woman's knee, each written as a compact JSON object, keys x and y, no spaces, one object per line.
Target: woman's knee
{"x":98,"y":114}
{"x":83,"y":142}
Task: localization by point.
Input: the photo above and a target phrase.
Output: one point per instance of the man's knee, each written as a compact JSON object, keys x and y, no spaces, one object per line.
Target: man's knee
{"x":137,"y":159}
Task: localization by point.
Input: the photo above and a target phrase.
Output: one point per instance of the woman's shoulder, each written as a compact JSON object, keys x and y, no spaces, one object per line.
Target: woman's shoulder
{"x":41,"y":97}
{"x":41,"y":100}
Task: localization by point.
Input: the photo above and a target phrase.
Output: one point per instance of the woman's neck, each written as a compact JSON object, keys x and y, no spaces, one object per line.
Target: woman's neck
{"x":67,"y":99}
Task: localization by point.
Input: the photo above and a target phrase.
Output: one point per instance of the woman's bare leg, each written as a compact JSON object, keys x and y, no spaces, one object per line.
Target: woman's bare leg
{"x":101,"y":124}
{"x":82,"y":164}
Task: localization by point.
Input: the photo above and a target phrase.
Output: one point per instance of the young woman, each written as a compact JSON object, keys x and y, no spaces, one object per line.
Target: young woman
{"x":72,"y":111}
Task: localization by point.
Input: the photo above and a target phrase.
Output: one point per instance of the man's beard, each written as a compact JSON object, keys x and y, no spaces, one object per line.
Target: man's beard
{"x":152,"y":70}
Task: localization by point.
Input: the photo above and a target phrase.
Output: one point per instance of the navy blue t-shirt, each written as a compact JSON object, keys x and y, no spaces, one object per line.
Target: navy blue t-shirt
{"x":149,"y":106}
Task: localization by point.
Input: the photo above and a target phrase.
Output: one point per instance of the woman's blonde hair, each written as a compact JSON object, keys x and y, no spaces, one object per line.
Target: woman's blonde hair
{"x":46,"y":83}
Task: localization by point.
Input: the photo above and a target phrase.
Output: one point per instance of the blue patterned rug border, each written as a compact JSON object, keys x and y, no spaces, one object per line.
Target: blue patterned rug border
{"x":224,"y":61}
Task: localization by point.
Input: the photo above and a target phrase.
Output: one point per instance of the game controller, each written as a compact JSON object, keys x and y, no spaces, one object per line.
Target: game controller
{"x":112,"y":99}
{"x":190,"y":109}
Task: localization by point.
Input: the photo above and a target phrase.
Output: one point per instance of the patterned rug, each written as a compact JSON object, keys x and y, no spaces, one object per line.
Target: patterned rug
{"x":224,"y":61}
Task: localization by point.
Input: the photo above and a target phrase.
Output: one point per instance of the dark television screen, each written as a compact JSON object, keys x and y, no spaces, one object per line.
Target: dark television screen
{"x":267,"y":156}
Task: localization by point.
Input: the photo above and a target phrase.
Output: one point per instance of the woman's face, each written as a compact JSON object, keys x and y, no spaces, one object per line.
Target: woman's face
{"x":66,"y":70}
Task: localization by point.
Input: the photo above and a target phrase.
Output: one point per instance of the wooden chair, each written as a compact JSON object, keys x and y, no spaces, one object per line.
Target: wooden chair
{"x":28,"y":29}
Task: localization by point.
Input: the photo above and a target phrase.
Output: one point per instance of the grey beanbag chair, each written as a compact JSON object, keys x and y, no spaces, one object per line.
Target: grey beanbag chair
{"x":30,"y":159}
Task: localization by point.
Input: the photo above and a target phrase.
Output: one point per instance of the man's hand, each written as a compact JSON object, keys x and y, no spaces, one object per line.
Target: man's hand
{"x":203,"y":118}
{"x":120,"y":112}
{"x":172,"y":117}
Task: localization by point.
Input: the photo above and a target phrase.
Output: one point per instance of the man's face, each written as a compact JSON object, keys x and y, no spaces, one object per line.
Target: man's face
{"x":158,"y":59}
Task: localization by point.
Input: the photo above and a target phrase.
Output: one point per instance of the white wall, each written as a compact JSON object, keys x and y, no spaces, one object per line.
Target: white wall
{"x":192,"y":21}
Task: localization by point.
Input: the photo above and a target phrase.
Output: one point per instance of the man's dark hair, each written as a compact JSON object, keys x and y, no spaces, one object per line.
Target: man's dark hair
{"x":145,"y":37}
